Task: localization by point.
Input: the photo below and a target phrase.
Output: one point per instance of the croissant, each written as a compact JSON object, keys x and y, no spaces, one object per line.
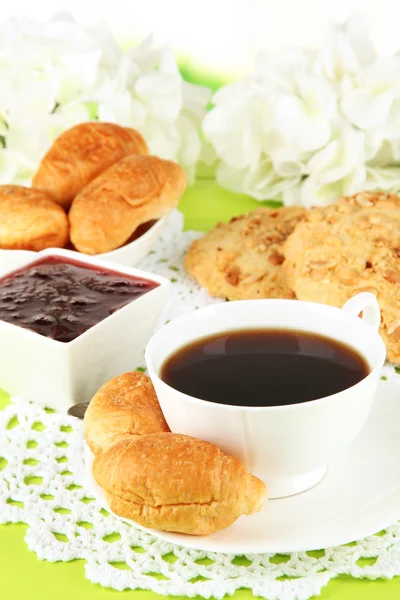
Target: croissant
{"x":133,"y":191}
{"x":30,"y":220}
{"x":81,"y":153}
{"x":177,"y":483}
{"x":123,"y":408}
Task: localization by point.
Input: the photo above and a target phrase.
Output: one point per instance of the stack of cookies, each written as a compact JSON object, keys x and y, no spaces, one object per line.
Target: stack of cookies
{"x":323,"y":255}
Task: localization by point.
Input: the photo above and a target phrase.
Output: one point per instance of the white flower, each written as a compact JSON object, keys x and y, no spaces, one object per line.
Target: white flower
{"x":343,"y":153}
{"x":373,"y":143}
{"x":189,"y":150}
{"x":195,"y":98}
{"x":312,"y":193}
{"x":369,"y":104}
{"x":336,"y":170}
{"x":387,"y":155}
{"x":383,"y":178}
{"x":113,"y":97}
{"x":6,"y":96}
{"x":304,"y":118}
{"x":279,"y":71}
{"x":15,"y":167}
{"x":161,"y":94}
{"x":309,"y":126}
{"x":8,"y":166}
{"x":234,"y":128}
{"x":390,"y":130}
{"x":100,"y":34}
{"x":347,"y":48}
{"x":146,"y":56}
{"x":259,"y":180}
{"x":36,"y":98}
{"x":265,"y":128}
{"x":58,"y":48}
{"x":30,"y":147}
{"x":68,"y":115}
{"x":288,"y":160}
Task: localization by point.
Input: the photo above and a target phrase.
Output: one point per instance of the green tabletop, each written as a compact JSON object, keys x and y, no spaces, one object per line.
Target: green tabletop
{"x":24,"y":577}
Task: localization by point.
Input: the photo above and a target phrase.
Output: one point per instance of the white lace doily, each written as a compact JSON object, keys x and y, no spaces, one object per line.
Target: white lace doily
{"x":41,"y":484}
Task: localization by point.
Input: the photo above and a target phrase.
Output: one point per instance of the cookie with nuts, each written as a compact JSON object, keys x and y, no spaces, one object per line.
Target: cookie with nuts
{"x":346,"y":248}
{"x":243,"y":258}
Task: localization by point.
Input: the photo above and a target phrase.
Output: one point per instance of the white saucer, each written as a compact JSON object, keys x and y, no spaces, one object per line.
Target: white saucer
{"x":359,"y":496}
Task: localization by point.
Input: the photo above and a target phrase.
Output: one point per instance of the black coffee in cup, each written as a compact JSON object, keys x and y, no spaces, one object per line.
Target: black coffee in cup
{"x":264,"y":367}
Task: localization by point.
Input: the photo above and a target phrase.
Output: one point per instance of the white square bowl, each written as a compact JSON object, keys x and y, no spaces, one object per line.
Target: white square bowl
{"x":59,"y":374}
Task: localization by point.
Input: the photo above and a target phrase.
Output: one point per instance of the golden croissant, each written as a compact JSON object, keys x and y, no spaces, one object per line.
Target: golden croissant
{"x":135,"y":190}
{"x":80,"y":154}
{"x":177,"y":483}
{"x":30,"y":220}
{"x":124,"y":407}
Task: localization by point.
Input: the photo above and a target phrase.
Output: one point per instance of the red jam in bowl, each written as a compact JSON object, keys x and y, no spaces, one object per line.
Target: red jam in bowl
{"x":62,"y":298}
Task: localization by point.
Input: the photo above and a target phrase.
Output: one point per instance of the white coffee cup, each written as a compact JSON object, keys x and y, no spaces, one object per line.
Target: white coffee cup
{"x":289,"y":447}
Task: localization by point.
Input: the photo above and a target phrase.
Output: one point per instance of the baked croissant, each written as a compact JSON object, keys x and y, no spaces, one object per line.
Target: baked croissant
{"x":30,"y":220}
{"x":80,"y":154}
{"x":133,"y":191}
{"x":177,"y":483}
{"x":123,"y":408}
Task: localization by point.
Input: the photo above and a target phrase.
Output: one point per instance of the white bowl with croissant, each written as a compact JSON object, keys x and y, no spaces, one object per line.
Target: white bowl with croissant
{"x":96,"y":192}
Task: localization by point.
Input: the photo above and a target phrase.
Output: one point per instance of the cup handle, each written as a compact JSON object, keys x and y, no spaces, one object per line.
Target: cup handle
{"x":367,"y":304}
